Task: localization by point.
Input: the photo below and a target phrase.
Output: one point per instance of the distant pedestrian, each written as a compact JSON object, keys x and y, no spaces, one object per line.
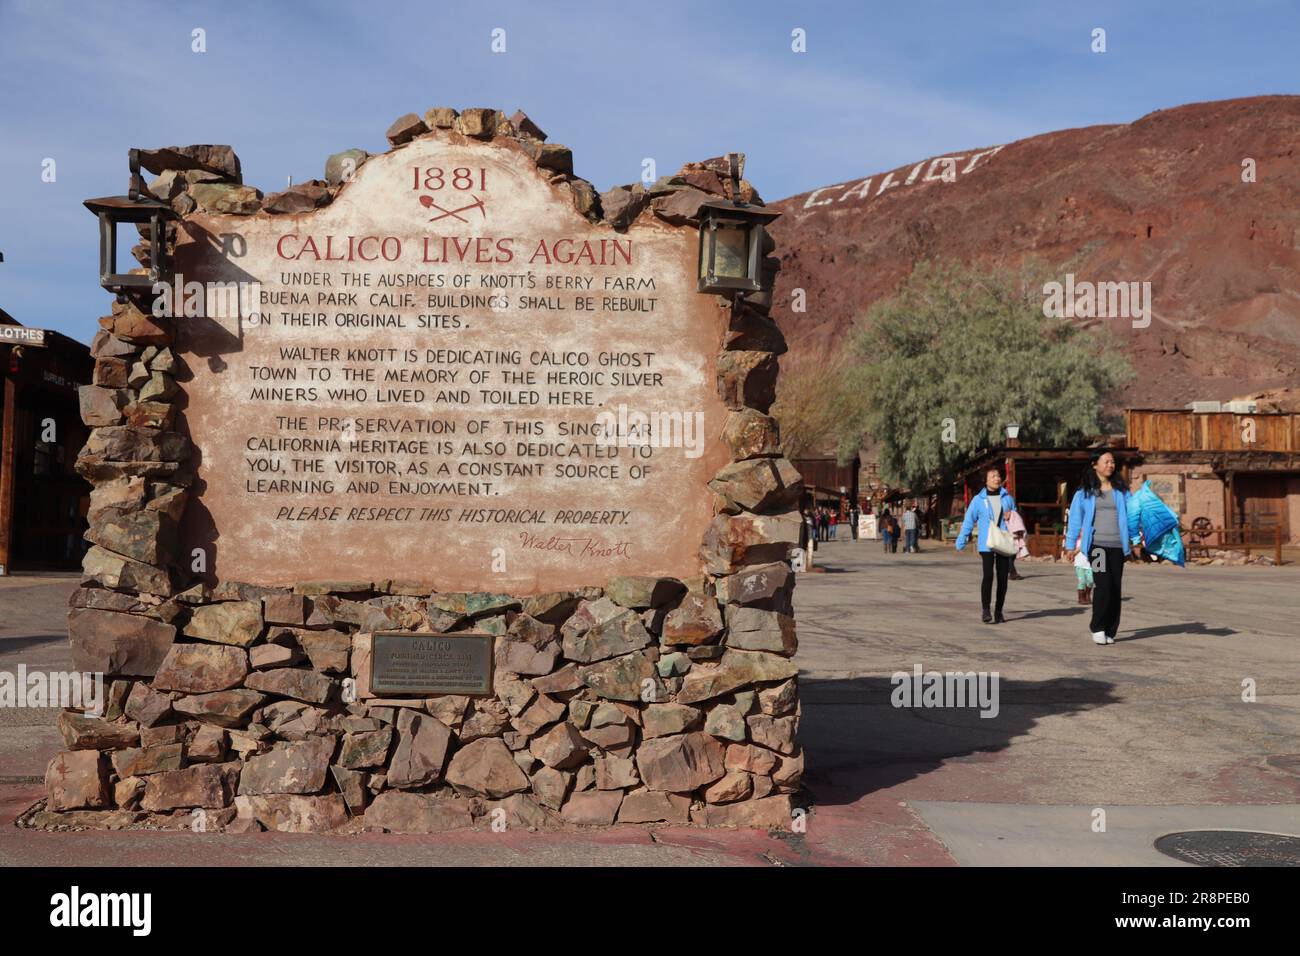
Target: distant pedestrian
{"x":987,"y":510}
{"x":854,"y":515}
{"x":910,"y":524}
{"x":887,"y":529}
{"x":834,"y":523}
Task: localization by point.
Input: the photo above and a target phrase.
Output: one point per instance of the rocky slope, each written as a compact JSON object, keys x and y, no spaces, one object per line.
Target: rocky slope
{"x":1162,"y":199}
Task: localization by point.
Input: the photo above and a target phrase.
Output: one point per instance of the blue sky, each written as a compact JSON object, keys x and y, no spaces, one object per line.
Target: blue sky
{"x":287,"y":84}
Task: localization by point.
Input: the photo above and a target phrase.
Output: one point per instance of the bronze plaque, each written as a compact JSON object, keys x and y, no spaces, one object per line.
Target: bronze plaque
{"x":425,"y":665}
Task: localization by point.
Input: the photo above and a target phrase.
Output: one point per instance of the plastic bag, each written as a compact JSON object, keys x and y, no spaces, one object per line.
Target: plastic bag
{"x":1158,"y":524}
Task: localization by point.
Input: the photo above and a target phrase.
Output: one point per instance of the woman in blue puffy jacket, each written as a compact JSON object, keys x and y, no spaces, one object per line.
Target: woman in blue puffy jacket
{"x":1099,"y":523}
{"x":993,"y":498}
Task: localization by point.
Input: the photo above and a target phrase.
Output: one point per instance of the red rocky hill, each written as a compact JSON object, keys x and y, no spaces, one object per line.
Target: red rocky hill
{"x":1161,"y":199}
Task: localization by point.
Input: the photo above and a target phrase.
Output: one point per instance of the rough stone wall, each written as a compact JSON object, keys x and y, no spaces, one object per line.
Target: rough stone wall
{"x":242,"y":701}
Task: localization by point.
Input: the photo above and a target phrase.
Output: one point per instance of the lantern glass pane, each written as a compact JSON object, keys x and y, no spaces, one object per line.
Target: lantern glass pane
{"x":107,"y":246}
{"x":731,"y":258}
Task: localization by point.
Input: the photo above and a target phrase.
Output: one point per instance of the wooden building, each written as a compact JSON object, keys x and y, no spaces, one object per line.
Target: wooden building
{"x":1236,"y":470}
{"x":828,"y":484}
{"x":43,"y":502}
{"x":1231,"y":469}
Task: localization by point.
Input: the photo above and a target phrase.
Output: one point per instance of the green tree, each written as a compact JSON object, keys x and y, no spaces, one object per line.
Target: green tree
{"x":955,"y":355}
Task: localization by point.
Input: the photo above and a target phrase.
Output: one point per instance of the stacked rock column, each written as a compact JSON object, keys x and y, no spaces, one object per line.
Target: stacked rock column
{"x":647,"y":700}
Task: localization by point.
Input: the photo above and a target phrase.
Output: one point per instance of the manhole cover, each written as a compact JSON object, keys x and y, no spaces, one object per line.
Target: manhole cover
{"x":1231,"y":848}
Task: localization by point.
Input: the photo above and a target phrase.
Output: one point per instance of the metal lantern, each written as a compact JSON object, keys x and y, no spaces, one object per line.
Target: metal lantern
{"x":731,"y":240}
{"x":135,"y":207}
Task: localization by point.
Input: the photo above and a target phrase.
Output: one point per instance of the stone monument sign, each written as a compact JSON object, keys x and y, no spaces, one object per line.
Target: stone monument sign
{"x":431,"y":492}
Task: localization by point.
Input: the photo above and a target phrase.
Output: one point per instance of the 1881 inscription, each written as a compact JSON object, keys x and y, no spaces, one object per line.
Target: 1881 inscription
{"x":429,"y":664}
{"x":448,"y":376}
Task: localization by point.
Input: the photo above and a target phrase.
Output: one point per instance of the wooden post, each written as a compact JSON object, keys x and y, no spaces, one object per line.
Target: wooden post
{"x":8,"y":467}
{"x":1227,"y":500}
{"x":1277,"y":546}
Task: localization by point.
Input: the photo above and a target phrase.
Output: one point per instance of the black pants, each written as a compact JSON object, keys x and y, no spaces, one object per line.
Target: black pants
{"x":1108,"y":590}
{"x":993,"y":560}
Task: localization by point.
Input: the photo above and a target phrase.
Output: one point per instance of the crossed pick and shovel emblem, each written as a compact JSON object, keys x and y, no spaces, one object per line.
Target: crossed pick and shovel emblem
{"x":428,"y":203}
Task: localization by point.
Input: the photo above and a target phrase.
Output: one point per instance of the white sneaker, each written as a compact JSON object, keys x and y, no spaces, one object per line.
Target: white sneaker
{"x":1109,"y":639}
{"x":1099,"y":637}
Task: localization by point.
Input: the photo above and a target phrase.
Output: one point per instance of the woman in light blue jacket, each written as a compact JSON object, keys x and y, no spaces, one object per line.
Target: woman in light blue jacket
{"x":979,"y":515}
{"x":1099,"y":523}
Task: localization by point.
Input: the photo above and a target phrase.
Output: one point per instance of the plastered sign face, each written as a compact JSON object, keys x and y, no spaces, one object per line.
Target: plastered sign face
{"x":446,"y":376}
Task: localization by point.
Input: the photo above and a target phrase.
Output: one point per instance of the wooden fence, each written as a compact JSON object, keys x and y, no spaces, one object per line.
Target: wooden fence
{"x":1197,"y":542}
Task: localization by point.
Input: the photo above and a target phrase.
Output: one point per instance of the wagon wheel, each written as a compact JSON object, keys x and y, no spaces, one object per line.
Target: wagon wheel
{"x":1201,"y":529}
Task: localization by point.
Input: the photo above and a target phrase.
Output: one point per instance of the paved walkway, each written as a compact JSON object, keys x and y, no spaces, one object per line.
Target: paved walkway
{"x":1152,"y":730}
{"x":1154,"y":720}
{"x":33,"y":631}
